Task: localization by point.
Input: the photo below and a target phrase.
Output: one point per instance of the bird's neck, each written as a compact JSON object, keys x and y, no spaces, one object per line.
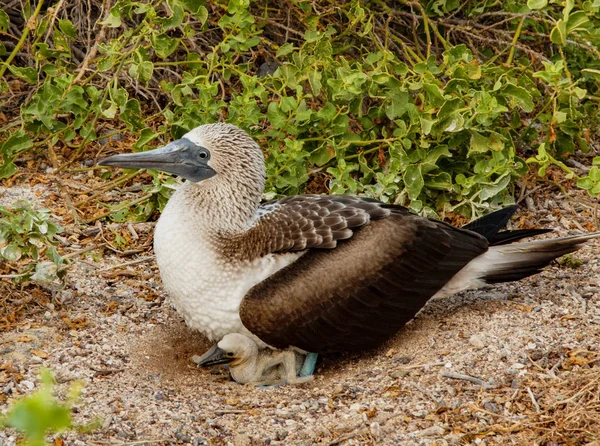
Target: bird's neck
{"x":224,"y":205}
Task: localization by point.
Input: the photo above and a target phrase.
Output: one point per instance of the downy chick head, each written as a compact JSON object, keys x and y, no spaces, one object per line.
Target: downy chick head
{"x":234,"y":349}
{"x":239,"y":348}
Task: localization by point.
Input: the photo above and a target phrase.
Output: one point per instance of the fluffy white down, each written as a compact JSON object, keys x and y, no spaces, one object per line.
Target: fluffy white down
{"x":206,"y":291}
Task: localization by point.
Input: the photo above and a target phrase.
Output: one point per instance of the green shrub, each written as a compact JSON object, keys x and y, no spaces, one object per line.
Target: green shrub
{"x":39,"y":414}
{"x":437,"y":105}
{"x":27,"y":240}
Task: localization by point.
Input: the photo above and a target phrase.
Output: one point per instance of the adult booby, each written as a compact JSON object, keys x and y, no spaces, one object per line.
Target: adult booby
{"x":249,"y":365}
{"x":320,"y":273}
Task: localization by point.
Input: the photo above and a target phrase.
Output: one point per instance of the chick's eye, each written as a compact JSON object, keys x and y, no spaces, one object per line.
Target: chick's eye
{"x":229,"y":354}
{"x":203,"y":155}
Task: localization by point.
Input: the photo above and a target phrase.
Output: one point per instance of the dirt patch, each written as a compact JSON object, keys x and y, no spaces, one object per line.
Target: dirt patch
{"x":509,"y":364}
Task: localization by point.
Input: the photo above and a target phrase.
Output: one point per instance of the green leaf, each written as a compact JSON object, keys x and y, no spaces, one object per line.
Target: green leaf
{"x":558,"y":35}
{"x":398,"y":104}
{"x":11,"y":252}
{"x":426,"y":125}
{"x":67,"y":27}
{"x":4,"y":20}
{"x":113,"y":19}
{"x":576,"y":21}
{"x":519,"y":96}
{"x":27,"y":74}
{"x":8,"y":169}
{"x":537,"y":4}
{"x":490,"y":191}
{"x":17,"y":142}
{"x":111,"y":111}
{"x":176,"y":18}
{"x":413,"y":180}
{"x":39,"y":413}
{"x":196,"y":7}
{"x":146,"y":135}
{"x":164,"y":45}
{"x":327,"y":113}
{"x":322,"y":155}
{"x":285,"y":49}
{"x":441,"y":181}
{"x":435,"y":95}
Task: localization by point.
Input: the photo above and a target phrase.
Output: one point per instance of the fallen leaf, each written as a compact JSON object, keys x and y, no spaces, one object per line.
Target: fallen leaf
{"x":39,"y":353}
{"x":25,"y":338}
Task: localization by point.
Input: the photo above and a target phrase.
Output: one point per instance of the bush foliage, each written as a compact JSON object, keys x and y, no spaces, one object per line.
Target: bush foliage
{"x":40,"y":413}
{"x":436,"y":105}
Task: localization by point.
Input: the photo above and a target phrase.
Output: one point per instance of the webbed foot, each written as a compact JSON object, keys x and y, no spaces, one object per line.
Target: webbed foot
{"x":308,"y":367}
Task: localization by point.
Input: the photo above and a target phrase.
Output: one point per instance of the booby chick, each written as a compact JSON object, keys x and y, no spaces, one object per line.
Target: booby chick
{"x":320,"y":273}
{"x":249,"y":365}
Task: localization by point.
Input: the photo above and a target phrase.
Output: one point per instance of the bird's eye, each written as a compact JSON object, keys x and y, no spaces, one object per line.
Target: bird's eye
{"x":229,"y":354}
{"x":203,"y":155}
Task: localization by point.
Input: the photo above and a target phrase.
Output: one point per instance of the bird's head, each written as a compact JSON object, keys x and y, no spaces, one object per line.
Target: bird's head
{"x":219,"y":150}
{"x":233,"y":349}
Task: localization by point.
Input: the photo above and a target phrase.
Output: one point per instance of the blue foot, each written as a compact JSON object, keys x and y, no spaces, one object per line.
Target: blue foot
{"x":308,"y":368}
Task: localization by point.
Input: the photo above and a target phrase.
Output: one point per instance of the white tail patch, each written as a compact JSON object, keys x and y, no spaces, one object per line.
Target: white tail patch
{"x":511,"y":262}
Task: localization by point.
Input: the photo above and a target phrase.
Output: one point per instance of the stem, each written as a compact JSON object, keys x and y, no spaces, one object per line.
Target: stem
{"x":28,"y":27}
{"x":511,"y":53}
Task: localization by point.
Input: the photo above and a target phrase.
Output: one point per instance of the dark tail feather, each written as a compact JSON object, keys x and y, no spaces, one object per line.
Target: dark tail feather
{"x":505,"y":263}
{"x":490,"y":225}
{"x":505,"y":237}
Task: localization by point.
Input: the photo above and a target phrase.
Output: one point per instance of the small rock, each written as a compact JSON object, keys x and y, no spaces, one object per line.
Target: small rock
{"x":375,"y":429}
{"x":106,"y":423}
{"x":476,"y":341}
{"x":430,"y":431}
{"x":281,"y":434}
{"x":27,"y":384}
{"x":490,"y":407}
{"x":401,"y":373}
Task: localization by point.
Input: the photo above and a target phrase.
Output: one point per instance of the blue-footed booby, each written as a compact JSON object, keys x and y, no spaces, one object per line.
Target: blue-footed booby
{"x":319,"y":273}
{"x":250,"y":365}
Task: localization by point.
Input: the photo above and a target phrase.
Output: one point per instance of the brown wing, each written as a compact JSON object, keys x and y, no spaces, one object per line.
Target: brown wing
{"x":301,"y":222}
{"x":355,"y":296}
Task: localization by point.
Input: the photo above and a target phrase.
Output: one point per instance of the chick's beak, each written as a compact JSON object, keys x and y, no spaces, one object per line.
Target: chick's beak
{"x":213,"y":356}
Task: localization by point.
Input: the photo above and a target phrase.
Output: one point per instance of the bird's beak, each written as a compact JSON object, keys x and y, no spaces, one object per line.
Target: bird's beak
{"x":212,"y":357}
{"x":181,"y":157}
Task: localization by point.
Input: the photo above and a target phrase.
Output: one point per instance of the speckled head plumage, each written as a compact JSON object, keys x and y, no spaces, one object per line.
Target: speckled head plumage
{"x":224,"y":167}
{"x":222,"y":152}
{"x":233,"y":153}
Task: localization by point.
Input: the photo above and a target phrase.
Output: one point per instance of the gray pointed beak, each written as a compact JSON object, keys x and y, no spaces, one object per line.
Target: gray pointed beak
{"x":181,"y":157}
{"x":212,"y":357}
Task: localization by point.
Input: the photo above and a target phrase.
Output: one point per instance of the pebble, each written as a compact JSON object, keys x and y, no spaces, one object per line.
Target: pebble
{"x":401,"y":373}
{"x":375,"y":429}
{"x":476,"y":341}
{"x":430,"y":431}
{"x":27,"y":384}
{"x":515,"y":368}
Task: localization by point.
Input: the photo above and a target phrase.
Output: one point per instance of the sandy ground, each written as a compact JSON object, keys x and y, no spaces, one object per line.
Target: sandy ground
{"x":509,"y":364}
